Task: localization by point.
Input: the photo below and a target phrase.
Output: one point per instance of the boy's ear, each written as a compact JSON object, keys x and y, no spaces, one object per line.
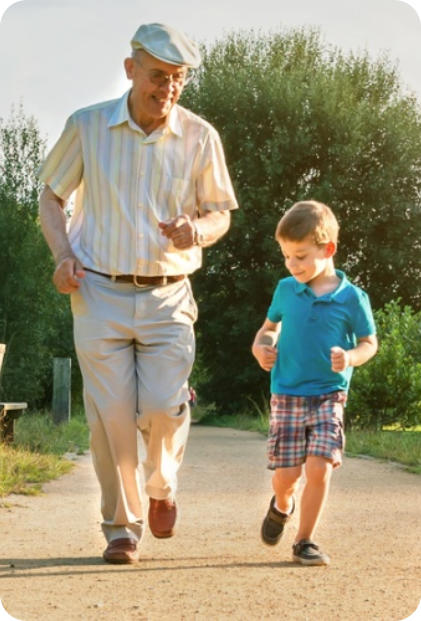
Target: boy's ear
{"x":330,"y":249}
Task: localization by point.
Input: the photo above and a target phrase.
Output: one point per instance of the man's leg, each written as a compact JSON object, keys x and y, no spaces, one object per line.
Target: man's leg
{"x":104,"y":344}
{"x":164,"y":358}
{"x":165,"y":436}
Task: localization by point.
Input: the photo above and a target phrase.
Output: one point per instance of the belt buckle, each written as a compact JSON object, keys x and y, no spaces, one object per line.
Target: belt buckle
{"x":140,"y":285}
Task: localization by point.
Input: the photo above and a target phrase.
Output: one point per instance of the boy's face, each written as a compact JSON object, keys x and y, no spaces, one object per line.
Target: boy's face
{"x":306,"y":261}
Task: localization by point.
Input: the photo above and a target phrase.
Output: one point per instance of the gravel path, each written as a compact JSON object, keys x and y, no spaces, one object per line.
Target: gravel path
{"x":216,"y":567}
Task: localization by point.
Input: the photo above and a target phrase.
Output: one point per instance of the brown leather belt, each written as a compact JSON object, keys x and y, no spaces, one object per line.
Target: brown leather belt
{"x":141,"y":281}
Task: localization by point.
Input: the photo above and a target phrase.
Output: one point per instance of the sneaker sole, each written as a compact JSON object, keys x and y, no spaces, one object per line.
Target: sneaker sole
{"x":312,"y":562}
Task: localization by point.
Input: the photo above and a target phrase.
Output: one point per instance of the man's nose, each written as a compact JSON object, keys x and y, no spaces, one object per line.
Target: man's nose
{"x":168,"y":86}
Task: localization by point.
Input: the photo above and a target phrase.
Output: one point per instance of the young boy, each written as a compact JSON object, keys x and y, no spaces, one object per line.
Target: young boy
{"x":324,"y":327}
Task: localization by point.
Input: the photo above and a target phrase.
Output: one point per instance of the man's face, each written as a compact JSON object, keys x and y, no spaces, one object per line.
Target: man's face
{"x":157,"y":86}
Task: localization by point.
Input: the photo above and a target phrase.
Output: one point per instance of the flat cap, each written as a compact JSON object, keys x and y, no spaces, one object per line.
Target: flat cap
{"x":166,"y":44}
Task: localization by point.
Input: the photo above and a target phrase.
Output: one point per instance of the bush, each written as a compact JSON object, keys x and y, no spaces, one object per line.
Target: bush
{"x":37,"y":433}
{"x":387,"y":389}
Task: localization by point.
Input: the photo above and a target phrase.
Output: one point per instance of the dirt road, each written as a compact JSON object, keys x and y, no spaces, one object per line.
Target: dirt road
{"x":216,"y":567}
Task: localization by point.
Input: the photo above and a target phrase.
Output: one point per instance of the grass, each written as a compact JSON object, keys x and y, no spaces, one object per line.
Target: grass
{"x":38,"y":452}
{"x":23,"y":472}
{"x":403,"y":447}
{"x":37,"y":432}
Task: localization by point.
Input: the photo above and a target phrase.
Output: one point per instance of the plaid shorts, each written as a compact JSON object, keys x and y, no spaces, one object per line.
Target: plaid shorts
{"x":301,"y":426}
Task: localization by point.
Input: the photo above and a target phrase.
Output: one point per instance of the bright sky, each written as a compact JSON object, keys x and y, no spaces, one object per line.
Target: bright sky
{"x":60,"y":55}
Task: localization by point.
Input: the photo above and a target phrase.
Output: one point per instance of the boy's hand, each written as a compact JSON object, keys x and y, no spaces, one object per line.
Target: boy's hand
{"x":339,"y":359}
{"x":265,"y":356}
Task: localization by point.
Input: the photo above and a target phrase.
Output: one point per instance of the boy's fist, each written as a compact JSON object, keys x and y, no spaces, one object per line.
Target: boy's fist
{"x":265,"y":356}
{"x":339,"y":359}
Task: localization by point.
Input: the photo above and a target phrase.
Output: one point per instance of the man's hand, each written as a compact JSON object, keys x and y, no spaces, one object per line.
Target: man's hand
{"x":67,"y":275}
{"x":180,"y":230}
{"x":265,"y":355}
{"x":339,"y":359}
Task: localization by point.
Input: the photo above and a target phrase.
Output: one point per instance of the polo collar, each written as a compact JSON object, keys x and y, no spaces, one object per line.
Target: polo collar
{"x":121,"y":115}
{"x":339,"y":294}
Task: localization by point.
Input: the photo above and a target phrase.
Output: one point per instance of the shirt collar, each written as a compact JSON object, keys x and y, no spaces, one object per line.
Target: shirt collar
{"x":339,"y":294}
{"x":121,"y":114}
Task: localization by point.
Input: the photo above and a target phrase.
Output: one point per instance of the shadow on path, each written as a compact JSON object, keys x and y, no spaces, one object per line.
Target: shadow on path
{"x":10,"y":568}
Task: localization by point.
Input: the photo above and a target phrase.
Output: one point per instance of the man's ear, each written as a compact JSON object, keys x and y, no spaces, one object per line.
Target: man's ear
{"x":129,"y":66}
{"x":330,"y":249}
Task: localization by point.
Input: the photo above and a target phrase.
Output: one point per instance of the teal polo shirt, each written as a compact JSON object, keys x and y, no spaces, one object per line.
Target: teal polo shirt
{"x":311,"y":325}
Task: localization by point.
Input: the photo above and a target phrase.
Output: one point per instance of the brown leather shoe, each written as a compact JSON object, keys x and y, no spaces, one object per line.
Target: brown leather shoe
{"x":162,"y":517}
{"x":121,"y":551}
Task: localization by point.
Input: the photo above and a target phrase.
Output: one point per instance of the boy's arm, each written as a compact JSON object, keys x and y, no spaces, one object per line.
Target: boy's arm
{"x":365,"y":349}
{"x":263,"y":348}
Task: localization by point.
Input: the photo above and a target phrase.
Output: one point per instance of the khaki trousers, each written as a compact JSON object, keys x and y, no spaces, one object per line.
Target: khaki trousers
{"x":135,"y":347}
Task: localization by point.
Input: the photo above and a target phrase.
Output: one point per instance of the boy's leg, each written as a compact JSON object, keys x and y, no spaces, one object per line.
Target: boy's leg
{"x":325,"y":442}
{"x":286,"y":454}
{"x":282,"y":505}
{"x":318,"y":474}
{"x":284,"y":483}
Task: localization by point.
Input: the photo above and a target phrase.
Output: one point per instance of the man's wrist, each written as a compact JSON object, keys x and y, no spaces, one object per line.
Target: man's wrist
{"x":198,"y":237}
{"x":62,"y":257}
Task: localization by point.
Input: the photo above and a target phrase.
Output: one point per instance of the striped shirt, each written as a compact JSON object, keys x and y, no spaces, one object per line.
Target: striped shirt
{"x":126,"y":182}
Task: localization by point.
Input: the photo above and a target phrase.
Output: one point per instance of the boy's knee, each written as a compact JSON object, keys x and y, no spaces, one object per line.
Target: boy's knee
{"x":287,"y":476}
{"x":318,"y":469}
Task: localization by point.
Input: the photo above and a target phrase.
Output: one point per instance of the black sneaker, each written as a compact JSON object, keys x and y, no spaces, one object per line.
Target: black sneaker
{"x":274,"y":523}
{"x":308,"y":553}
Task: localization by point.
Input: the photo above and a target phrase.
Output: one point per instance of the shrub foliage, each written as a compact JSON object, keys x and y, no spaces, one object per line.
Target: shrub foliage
{"x":387,"y":390}
{"x":35,"y":321}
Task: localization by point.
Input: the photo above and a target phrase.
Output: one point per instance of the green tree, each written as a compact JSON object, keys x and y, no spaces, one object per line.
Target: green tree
{"x":35,"y":321}
{"x":299,"y":120}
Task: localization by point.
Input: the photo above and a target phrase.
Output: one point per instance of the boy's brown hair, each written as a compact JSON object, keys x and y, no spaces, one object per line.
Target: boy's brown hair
{"x":308,"y":218}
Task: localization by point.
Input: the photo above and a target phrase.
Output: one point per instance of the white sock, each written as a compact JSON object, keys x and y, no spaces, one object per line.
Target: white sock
{"x":284,"y":512}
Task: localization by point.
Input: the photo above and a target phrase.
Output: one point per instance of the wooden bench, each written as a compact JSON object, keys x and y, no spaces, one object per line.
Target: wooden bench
{"x":9,"y":412}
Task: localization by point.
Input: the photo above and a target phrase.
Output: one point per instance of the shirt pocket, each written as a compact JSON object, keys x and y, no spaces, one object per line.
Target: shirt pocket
{"x":176,"y":196}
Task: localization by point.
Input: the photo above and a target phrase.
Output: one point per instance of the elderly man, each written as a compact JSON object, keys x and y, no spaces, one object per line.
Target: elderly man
{"x":152,"y":188}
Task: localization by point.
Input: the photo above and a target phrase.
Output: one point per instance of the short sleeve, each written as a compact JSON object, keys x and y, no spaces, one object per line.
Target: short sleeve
{"x":62,"y":169}
{"x":363,"y":320}
{"x":275,"y":309}
{"x":214,"y":187}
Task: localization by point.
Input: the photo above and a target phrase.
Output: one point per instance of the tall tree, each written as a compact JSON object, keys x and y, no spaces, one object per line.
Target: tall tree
{"x":299,"y":120}
{"x":35,"y":322}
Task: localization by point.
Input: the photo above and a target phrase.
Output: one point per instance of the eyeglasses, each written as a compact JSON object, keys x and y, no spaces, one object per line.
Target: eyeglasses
{"x":160,"y":78}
